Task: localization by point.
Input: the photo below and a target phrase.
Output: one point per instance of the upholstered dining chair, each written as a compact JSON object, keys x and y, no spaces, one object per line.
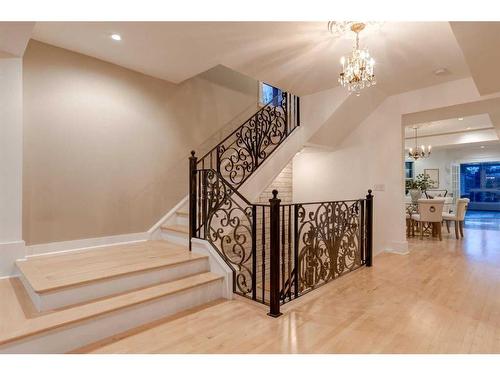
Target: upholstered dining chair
{"x":430,"y":211}
{"x":448,"y":205}
{"x":457,"y":216}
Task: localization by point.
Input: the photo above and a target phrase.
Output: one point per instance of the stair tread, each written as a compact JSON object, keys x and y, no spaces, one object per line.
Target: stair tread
{"x":182,"y":213}
{"x":176,"y":228}
{"x":49,"y":273}
{"x":15,"y":325}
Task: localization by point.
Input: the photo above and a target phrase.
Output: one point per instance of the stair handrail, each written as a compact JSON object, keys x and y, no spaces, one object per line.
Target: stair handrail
{"x":241,"y":152}
{"x":266,"y":105}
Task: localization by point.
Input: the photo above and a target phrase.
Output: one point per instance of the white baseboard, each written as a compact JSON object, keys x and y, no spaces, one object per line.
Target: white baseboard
{"x":217,"y":265}
{"x":9,"y":253}
{"x":86,"y":243}
{"x":398,"y":247}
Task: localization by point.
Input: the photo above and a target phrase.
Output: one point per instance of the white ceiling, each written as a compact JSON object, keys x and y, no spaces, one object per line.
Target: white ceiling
{"x":14,"y":37}
{"x":479,"y":43}
{"x":475,"y":129}
{"x":302,"y":57}
{"x":467,"y":124}
{"x":478,"y":138}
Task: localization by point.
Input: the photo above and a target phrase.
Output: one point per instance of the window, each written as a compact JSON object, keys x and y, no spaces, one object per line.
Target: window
{"x":409,"y":170}
{"x":268,"y":93}
{"x":480,"y":182}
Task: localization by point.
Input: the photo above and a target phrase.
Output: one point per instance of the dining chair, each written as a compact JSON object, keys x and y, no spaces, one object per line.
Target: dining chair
{"x":448,"y":205}
{"x":410,"y":230}
{"x":430,"y":211}
{"x":457,"y":216}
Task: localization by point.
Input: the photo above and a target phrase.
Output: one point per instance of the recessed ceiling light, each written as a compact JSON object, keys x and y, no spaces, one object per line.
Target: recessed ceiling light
{"x":116,"y":37}
{"x":460,"y":118}
{"x":469,"y":128}
{"x":482,"y":146}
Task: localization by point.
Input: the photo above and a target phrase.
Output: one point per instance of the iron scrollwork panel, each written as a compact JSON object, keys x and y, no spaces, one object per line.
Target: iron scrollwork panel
{"x":240,"y":155}
{"x":329,"y":236}
{"x":229,"y":228}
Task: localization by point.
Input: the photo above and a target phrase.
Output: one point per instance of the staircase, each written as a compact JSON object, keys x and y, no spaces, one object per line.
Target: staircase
{"x":65,"y":301}
{"x":270,"y":253}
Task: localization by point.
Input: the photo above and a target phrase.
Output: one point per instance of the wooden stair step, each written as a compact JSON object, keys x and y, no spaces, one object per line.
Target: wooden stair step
{"x":176,"y":228}
{"x":49,"y":273}
{"x":15,"y":325}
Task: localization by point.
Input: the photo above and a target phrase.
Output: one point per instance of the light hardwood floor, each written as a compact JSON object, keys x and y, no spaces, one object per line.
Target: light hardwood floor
{"x":444,"y":297}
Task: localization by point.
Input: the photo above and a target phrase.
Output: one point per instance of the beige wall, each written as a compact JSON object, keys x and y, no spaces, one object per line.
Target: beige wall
{"x":105,"y":148}
{"x":11,"y":141}
{"x":10,"y":149}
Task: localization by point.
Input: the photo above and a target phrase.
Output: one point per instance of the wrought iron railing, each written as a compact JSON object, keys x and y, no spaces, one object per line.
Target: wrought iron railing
{"x":238,"y":155}
{"x":309,"y":245}
{"x":226,"y":219}
{"x":276,"y":252}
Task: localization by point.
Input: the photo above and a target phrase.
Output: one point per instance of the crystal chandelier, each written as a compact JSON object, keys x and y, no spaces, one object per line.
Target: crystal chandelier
{"x":357,"y":69}
{"x":419,"y":152}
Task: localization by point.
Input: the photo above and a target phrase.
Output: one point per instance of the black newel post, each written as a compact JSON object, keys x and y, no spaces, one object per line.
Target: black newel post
{"x":192,"y":196}
{"x":298,"y":110}
{"x":217,"y":159}
{"x":296,"y":249}
{"x":288,"y":111}
{"x":369,"y":228}
{"x":274,"y":304}
{"x":254,"y":252}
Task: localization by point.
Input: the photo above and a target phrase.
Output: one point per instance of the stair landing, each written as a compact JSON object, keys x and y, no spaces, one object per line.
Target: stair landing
{"x":52,"y":272}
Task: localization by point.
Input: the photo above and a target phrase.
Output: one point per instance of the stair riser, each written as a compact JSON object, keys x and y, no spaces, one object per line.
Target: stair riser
{"x":108,"y":287}
{"x":74,"y":336}
{"x":175,"y":237}
{"x":182,"y":220}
